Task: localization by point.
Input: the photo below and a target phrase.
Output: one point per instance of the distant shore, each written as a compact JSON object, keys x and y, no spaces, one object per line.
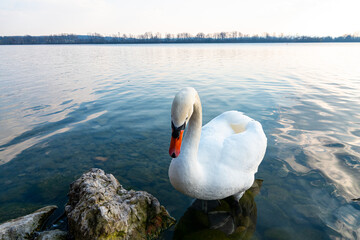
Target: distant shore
{"x":149,"y":38}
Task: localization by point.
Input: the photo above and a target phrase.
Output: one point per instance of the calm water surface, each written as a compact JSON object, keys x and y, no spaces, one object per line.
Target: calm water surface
{"x":65,"y":109}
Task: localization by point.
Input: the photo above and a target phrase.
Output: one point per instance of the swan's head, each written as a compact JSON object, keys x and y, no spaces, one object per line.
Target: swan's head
{"x":181,"y":111}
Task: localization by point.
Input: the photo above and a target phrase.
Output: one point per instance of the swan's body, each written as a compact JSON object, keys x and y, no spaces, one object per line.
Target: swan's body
{"x":217,"y":160}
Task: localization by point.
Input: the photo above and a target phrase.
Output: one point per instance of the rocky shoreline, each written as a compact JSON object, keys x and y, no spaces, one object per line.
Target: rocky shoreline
{"x":98,"y":208}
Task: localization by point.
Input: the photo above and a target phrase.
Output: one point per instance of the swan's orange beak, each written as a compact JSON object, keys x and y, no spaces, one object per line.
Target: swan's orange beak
{"x":175,"y":144}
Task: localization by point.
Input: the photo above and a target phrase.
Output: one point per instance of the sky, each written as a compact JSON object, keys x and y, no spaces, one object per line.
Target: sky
{"x":107,"y":17}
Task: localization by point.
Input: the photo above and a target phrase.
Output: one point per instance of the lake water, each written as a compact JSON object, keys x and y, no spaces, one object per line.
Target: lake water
{"x":67,"y":108}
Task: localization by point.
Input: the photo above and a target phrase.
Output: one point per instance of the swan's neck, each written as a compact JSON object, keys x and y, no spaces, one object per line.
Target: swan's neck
{"x":193,"y":133}
{"x":184,"y":172}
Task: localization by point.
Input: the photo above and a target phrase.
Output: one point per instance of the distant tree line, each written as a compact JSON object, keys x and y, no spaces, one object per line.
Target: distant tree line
{"x":149,"y":37}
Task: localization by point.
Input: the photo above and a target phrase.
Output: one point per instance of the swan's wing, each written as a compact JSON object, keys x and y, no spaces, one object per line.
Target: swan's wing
{"x":244,"y":151}
{"x":212,"y":138}
{"x":218,"y":132}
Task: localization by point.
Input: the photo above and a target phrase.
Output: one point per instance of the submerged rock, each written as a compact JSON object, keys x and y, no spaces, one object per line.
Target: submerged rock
{"x":100,"y":208}
{"x":25,"y":227}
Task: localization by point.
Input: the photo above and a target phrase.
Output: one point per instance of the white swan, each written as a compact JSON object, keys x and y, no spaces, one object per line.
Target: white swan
{"x":217,"y":160}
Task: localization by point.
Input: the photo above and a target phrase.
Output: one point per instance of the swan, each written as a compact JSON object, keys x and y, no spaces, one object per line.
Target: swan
{"x":217,"y":160}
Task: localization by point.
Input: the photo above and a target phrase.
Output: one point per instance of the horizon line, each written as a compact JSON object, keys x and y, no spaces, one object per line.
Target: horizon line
{"x":174,"y":35}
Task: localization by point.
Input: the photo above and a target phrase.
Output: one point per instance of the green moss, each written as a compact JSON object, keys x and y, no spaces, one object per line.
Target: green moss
{"x":113,"y":236}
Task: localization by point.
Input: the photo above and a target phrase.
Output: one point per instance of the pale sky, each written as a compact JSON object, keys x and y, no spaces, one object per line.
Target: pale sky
{"x":303,"y":17}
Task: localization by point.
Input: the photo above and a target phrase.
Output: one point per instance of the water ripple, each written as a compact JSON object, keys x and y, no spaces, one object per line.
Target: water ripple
{"x":62,"y":108}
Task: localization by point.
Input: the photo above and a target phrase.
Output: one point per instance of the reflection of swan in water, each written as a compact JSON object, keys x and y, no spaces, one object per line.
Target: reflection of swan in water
{"x":224,"y":219}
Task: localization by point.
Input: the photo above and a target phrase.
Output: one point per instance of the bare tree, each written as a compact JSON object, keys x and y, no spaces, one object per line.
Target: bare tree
{"x":200,"y":35}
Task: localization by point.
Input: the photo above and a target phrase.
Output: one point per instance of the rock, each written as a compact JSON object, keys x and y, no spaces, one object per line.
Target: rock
{"x":24,"y":227}
{"x":102,"y":159}
{"x":100,"y":208}
{"x":52,"y":235}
